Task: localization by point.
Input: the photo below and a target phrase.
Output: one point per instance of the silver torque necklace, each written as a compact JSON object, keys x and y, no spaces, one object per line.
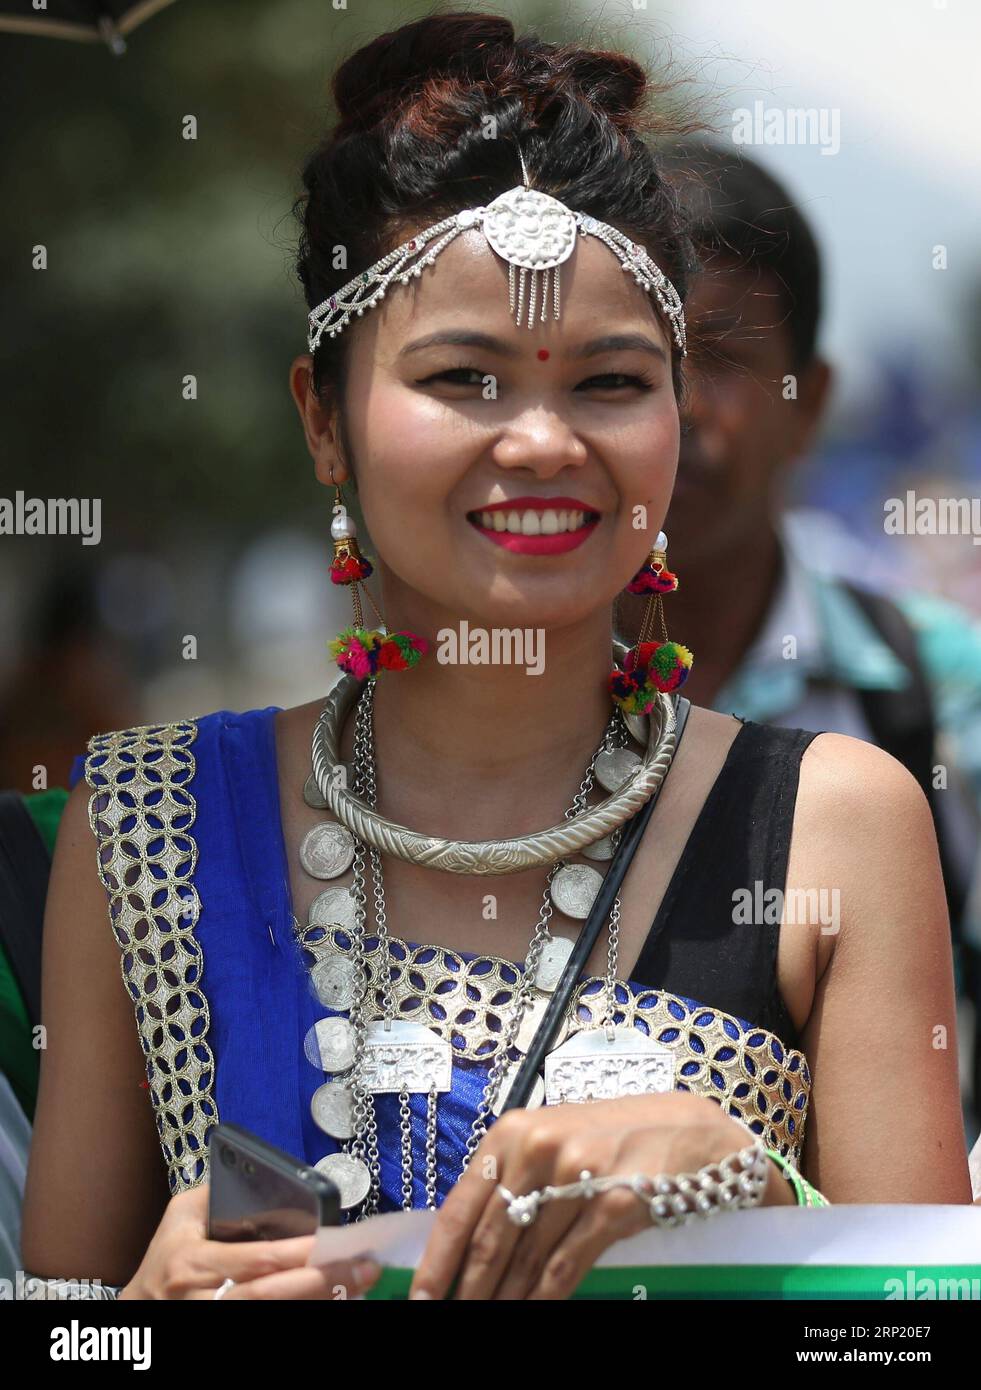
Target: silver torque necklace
{"x":630,"y":786}
{"x":396,"y":1056}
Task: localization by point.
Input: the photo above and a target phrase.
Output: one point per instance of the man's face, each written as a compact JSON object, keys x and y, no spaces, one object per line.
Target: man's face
{"x":743,"y":422}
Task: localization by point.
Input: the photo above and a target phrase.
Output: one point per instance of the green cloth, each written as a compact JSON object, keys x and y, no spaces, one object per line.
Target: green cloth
{"x":20,"y":1060}
{"x":45,"y":810}
{"x":636,"y":1283}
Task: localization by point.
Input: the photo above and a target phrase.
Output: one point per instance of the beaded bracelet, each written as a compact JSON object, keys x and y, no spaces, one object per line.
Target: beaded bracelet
{"x":807,"y":1196}
{"x":739,"y":1180}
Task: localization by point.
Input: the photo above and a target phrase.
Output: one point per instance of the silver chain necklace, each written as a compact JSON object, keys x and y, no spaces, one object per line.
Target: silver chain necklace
{"x":401,"y":1057}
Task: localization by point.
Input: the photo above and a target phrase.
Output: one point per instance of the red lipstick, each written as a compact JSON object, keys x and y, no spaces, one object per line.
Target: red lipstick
{"x":538,"y":545}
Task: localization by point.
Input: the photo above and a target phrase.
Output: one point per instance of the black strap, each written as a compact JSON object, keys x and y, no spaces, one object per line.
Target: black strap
{"x":24,"y":869}
{"x":630,"y":839}
{"x":904,"y":724}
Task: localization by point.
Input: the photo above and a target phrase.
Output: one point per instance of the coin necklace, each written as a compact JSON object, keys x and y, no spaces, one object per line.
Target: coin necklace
{"x":402,"y":1057}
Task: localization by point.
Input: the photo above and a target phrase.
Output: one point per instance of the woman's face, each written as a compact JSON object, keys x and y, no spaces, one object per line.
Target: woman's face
{"x":441,"y":432}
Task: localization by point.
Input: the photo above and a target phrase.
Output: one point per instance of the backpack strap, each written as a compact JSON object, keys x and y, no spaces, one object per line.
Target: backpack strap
{"x":903,"y":722}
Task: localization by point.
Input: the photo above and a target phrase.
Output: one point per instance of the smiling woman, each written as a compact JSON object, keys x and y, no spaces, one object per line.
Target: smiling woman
{"x":320,"y":959}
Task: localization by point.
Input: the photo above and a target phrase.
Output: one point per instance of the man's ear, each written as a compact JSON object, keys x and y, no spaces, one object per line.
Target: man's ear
{"x":814,"y":387}
{"x":320,"y":423}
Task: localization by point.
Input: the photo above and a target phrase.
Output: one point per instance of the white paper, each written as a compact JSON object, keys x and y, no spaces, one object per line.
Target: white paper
{"x":844,"y":1235}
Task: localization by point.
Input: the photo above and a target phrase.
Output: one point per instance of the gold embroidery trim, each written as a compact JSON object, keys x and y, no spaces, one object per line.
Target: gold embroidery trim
{"x":466,"y":1002}
{"x":141,"y":813}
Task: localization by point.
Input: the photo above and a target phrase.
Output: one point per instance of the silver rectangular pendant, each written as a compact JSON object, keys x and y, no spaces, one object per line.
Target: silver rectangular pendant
{"x":591,"y":1067}
{"x":405,"y":1057}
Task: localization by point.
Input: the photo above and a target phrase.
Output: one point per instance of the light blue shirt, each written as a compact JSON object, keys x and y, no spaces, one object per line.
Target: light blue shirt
{"x":817,"y":649}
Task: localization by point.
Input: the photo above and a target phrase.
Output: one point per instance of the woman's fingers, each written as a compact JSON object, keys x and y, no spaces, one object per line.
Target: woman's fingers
{"x":248,"y":1259}
{"x":450,"y":1240}
{"x":346,"y":1279}
{"x":599,"y":1222}
{"x":534,"y":1249}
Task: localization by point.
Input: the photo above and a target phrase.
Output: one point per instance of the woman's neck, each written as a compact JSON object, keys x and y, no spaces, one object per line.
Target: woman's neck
{"x":471,"y":750}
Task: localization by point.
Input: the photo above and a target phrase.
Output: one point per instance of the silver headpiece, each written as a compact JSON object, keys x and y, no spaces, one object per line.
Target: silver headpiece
{"x":530,"y":230}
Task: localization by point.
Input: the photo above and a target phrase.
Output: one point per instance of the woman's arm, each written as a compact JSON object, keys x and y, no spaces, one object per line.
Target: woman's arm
{"x":885,"y":1121}
{"x":96,"y":1181}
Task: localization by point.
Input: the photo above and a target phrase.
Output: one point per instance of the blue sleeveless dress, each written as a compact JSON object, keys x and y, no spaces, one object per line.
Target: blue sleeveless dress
{"x":192,"y":855}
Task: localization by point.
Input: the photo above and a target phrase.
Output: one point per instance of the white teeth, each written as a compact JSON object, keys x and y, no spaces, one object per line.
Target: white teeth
{"x":533,"y":523}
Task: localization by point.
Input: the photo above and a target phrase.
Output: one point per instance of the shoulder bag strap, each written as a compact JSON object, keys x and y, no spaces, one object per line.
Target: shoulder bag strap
{"x":629,"y":840}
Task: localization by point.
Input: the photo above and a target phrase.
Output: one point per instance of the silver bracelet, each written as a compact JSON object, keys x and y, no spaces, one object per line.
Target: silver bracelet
{"x":739,"y":1180}
{"x":35,"y":1286}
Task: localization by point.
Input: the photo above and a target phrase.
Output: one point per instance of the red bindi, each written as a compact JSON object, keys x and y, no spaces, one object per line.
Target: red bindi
{"x":543,"y":354}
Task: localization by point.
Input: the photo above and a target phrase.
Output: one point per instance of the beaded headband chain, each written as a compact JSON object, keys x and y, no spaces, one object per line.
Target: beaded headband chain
{"x":530,"y":230}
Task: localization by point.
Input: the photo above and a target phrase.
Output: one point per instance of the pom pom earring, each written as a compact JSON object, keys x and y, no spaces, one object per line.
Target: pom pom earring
{"x":361,"y":651}
{"x":651,"y":666}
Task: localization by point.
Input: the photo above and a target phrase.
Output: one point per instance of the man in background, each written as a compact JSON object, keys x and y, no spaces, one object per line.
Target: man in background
{"x":782,"y":629}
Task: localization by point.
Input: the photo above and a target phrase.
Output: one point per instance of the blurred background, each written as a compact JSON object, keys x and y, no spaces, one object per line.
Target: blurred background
{"x":168,"y":262}
{"x":169,"y":257}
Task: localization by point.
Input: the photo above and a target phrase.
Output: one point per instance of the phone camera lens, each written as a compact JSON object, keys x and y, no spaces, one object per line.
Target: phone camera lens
{"x":228,"y":1157}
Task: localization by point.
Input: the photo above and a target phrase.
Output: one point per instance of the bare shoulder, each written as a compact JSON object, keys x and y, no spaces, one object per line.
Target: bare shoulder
{"x":849,"y":787}
{"x":294,"y":730}
{"x":887,"y":1127}
{"x":708,"y":734}
{"x":863,"y":828}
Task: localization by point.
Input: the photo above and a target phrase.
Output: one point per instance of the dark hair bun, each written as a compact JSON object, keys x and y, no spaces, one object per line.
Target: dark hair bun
{"x":380,"y":80}
{"x":440,"y":115}
{"x":376,"y":80}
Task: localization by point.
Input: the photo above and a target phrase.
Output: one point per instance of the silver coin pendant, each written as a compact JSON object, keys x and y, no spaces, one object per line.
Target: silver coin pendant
{"x":573,"y":889}
{"x":530,"y":1022}
{"x":329,"y":1045}
{"x":350,"y":1176}
{"x":333,"y":979}
{"x":332,"y":1107}
{"x":614,"y":766}
{"x":334,"y":907}
{"x":535,"y":1097}
{"x":599,"y":849}
{"x":327,"y":850}
{"x":551,"y":962}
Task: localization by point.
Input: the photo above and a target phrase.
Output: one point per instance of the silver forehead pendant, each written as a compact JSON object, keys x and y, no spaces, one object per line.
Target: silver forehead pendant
{"x":349,"y":1174}
{"x":403,"y":1056}
{"x":594,"y":1066}
{"x":614,"y":766}
{"x":574,"y":888}
{"x":534,"y":233}
{"x":327,"y":850}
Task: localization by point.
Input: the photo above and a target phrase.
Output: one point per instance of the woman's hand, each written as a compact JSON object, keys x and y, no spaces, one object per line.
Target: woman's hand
{"x":473,"y":1239}
{"x":181,"y":1262}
